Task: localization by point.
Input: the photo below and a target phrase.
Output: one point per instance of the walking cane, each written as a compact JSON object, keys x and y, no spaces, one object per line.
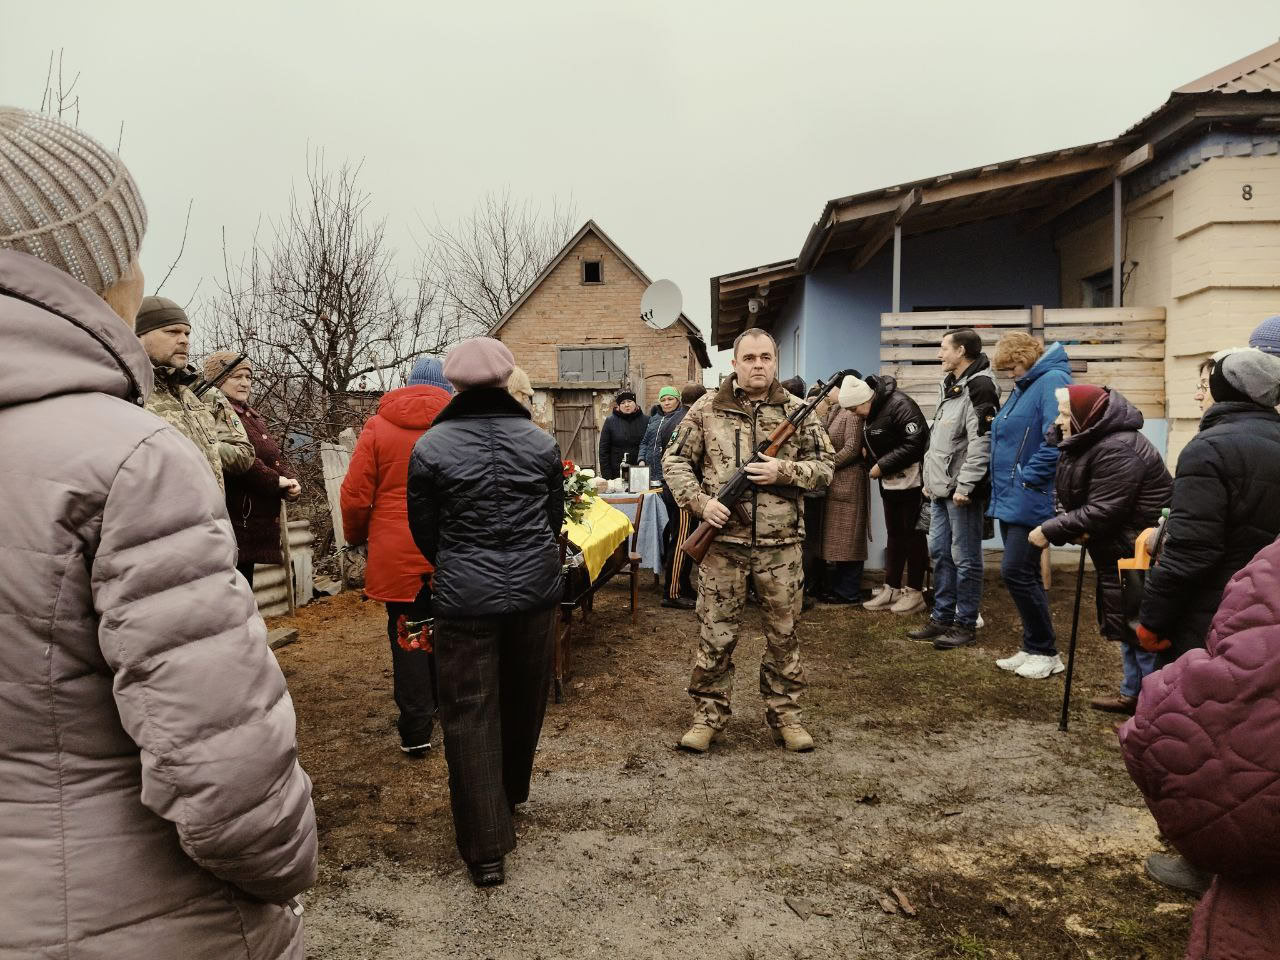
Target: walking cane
{"x":1071,"y":650}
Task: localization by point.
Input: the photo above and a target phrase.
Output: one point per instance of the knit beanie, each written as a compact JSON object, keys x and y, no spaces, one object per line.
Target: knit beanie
{"x":157,"y":312}
{"x":1267,"y":336}
{"x":215,"y":363}
{"x":1088,"y":403}
{"x":668,"y":392}
{"x":854,"y":391}
{"x":625,"y":395}
{"x":479,"y":362}
{"x":67,"y":200}
{"x":428,"y":372}
{"x":1246,"y":375}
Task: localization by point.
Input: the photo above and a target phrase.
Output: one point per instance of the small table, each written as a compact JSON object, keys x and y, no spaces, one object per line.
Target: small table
{"x":653,"y":521}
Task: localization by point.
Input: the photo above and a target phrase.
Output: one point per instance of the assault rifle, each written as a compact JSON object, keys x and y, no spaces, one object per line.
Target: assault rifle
{"x":736,"y":487}
{"x":203,"y":386}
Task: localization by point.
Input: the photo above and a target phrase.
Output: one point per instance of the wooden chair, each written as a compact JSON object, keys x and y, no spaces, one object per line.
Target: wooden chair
{"x":633,"y":553}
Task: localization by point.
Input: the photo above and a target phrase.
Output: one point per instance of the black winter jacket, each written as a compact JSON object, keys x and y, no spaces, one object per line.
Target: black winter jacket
{"x":621,"y":435}
{"x":1226,"y":507}
{"x":896,"y":434}
{"x":1111,"y":484}
{"x":486,"y":505}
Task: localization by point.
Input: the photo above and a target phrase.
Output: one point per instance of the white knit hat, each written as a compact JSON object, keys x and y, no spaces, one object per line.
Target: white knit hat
{"x":66,"y":199}
{"x":854,"y":391}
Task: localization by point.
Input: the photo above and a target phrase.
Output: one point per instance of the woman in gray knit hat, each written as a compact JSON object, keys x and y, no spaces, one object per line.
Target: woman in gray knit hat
{"x":146,"y":813}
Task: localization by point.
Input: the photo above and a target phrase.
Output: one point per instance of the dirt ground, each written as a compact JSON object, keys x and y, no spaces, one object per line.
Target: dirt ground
{"x":936,"y":774}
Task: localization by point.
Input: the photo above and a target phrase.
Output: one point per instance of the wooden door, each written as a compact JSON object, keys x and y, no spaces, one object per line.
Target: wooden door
{"x":576,"y":429}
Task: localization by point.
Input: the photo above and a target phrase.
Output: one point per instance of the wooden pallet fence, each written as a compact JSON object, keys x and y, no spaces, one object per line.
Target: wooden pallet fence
{"x":1122,"y":348}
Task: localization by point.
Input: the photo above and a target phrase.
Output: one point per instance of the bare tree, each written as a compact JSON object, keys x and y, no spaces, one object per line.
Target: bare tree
{"x":325,"y":317}
{"x":59,"y":97}
{"x":485,"y":261}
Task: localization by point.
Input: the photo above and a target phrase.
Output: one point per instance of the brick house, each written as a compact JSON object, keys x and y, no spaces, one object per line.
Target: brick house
{"x":577,"y":333}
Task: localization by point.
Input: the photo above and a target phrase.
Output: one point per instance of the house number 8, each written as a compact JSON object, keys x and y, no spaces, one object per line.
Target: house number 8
{"x":1246,"y":192}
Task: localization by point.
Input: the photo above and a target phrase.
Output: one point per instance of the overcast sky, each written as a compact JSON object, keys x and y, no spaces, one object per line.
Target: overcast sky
{"x":703,"y":137}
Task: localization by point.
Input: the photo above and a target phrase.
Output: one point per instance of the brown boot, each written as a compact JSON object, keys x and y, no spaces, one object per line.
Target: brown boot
{"x":698,"y":738}
{"x":794,"y":737}
{"x":1117,"y":704}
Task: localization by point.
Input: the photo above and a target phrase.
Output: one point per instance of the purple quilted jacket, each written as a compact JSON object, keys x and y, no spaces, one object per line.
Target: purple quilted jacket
{"x":1204,"y":748}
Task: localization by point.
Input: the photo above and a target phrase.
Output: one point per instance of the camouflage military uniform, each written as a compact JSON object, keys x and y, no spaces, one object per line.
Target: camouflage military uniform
{"x":716,"y":436}
{"x":210,"y":424}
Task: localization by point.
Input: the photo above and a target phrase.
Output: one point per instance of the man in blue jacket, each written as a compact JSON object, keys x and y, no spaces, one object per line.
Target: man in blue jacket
{"x":1023,"y":466}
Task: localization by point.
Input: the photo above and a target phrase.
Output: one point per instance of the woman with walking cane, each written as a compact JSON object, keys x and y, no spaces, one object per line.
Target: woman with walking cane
{"x":1111,"y":485}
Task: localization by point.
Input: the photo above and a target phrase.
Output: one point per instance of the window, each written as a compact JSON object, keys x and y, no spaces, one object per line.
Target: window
{"x":592,"y":271}
{"x":593,"y":363}
{"x":1095,"y":291}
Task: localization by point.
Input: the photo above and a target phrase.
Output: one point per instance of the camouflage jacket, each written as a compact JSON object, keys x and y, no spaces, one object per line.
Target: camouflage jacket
{"x":717,"y":436}
{"x":210,"y":424}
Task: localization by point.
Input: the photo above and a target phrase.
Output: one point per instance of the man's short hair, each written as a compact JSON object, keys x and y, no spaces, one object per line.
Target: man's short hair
{"x":1206,"y":366}
{"x":794,"y":386}
{"x":691,"y":392}
{"x":1017,"y":349}
{"x":754,"y":332}
{"x":967,"y":339}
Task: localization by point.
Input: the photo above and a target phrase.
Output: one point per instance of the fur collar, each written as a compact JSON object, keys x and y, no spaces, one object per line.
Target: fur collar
{"x":482,"y":402}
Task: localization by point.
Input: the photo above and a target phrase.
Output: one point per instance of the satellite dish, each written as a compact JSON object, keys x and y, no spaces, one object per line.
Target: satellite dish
{"x":660,"y":305}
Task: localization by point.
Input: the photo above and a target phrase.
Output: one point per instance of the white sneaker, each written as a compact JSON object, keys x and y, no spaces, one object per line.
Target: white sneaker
{"x":1037,"y":666}
{"x":980,"y":624}
{"x":884,"y":596}
{"x":1013,"y":663}
{"x":909,"y":601}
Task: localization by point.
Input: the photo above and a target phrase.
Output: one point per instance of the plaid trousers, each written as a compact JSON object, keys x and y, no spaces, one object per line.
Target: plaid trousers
{"x":494,"y":675}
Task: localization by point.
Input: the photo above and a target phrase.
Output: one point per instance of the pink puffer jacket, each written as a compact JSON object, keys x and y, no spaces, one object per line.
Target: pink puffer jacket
{"x":1204,"y":748}
{"x":151,"y":802}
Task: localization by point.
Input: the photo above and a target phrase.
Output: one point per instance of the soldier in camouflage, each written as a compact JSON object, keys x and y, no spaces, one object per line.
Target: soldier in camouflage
{"x":716,"y":436}
{"x":210,"y":423}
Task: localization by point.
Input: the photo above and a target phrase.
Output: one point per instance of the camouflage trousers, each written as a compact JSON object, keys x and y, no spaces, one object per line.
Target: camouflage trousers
{"x":722,"y":594}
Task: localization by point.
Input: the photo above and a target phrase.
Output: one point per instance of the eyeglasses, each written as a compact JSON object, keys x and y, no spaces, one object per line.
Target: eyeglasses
{"x":1202,"y":386}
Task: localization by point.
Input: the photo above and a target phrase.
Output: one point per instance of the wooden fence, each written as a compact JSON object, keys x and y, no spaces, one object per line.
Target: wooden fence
{"x":1121,"y":347}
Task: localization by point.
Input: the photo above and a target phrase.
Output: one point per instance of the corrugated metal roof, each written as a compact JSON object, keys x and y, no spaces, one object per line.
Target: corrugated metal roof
{"x":1257,"y":73}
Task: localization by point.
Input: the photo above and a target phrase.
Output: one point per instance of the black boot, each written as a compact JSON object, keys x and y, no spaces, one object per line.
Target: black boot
{"x":931,"y":630}
{"x":487,"y":873}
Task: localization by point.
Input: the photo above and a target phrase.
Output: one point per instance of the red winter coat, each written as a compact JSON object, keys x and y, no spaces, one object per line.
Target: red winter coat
{"x":1204,"y":748}
{"x":373,"y":493}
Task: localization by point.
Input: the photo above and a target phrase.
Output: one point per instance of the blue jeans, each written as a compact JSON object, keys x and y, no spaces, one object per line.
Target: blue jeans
{"x":1137,"y":664}
{"x":955,"y":545}
{"x":1020,"y":570}
{"x":845,"y":580}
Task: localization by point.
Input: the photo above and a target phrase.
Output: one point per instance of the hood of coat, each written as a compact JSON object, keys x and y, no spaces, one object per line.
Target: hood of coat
{"x":1120,"y":415}
{"x":1055,"y":358}
{"x":61,"y":338}
{"x":413,"y":408}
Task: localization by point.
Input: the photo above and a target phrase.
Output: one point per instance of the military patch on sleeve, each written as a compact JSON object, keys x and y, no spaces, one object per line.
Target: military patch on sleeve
{"x":913,"y":428}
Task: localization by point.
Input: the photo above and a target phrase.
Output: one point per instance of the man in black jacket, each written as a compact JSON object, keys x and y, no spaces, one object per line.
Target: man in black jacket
{"x":622,"y":435}
{"x":486,"y":505}
{"x":1226,"y":504}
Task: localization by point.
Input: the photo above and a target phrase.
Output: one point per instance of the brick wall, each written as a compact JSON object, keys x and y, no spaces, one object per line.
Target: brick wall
{"x":1205,"y":253}
{"x":565,"y":312}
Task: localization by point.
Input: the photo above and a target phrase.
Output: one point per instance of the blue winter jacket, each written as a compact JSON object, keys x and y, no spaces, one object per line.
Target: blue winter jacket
{"x":1022,"y":463}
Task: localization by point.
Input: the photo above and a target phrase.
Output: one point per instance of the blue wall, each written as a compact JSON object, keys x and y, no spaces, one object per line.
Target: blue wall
{"x":990,"y":263}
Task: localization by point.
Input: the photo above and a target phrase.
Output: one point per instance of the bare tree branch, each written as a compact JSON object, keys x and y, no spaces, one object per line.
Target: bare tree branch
{"x":178,"y":259}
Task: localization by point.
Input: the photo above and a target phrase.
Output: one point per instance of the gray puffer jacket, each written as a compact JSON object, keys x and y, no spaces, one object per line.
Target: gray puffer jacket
{"x":151,"y":802}
{"x":959,"y":456}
